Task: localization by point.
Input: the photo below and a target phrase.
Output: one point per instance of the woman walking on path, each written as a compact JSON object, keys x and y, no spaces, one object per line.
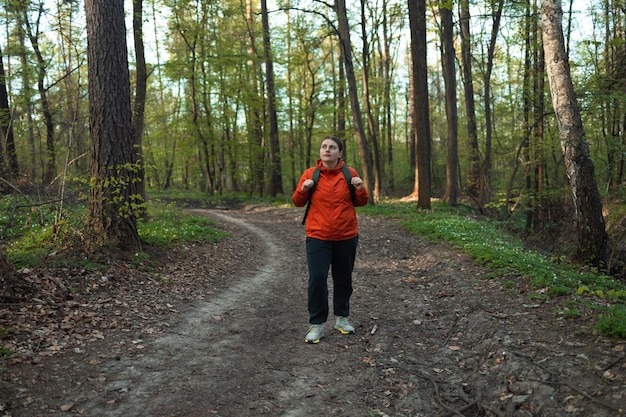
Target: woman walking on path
{"x":332,"y":234}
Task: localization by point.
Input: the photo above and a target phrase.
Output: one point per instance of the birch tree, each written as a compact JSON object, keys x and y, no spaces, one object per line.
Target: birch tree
{"x":579,"y":168}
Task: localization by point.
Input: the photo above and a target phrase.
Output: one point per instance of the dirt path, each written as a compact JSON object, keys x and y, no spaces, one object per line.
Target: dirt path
{"x":434,"y":338}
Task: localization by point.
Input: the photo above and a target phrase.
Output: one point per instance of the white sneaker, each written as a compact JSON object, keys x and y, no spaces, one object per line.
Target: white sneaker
{"x":343,"y":325}
{"x":316,"y":332}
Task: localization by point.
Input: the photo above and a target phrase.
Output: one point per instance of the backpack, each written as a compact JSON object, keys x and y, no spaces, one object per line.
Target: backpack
{"x":316,"y":175}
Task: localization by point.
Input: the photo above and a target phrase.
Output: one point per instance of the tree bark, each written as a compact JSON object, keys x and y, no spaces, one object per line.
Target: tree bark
{"x":140,"y":97}
{"x":111,"y":218}
{"x":276,"y":183}
{"x":592,"y":238}
{"x":485,"y":184}
{"x":473,"y":180}
{"x":449,"y":75}
{"x":6,"y":267}
{"x":387,"y":84}
{"x":255,"y":131}
{"x":8,"y":157}
{"x":417,"y":22}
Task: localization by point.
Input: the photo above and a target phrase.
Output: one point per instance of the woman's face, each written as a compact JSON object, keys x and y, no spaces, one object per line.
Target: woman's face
{"x":330,"y":153}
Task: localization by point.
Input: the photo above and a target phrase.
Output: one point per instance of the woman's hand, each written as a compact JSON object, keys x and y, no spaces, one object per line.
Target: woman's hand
{"x":357,"y":182}
{"x":307,"y":185}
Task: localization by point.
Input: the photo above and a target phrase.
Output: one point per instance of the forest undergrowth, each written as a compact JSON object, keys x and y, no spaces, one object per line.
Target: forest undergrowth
{"x":36,"y":233}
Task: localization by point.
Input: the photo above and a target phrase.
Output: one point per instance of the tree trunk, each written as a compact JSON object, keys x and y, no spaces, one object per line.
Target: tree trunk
{"x":28,"y":105}
{"x":412,"y":136}
{"x":449,"y":76}
{"x":50,"y":168}
{"x":371,"y":121}
{"x":417,"y":22}
{"x":485,"y":184}
{"x":6,"y":267}
{"x":364,"y":149}
{"x":542,"y":215}
{"x":387,"y":74}
{"x":341,"y":95}
{"x":111,"y":218}
{"x":290,"y":94}
{"x":592,"y":238}
{"x":140,"y":98}
{"x":473,"y":179}
{"x":8,"y":158}
{"x":276,"y":183}
{"x":255,"y":132}
{"x":527,"y":115}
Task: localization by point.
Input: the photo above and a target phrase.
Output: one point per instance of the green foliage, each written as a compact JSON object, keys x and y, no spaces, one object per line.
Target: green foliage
{"x":34,"y":234}
{"x":113,"y":189}
{"x":613,"y":322}
{"x":5,"y":352}
{"x":34,"y":231}
{"x":488,"y":242}
{"x":191,"y":198}
{"x":168,"y":225}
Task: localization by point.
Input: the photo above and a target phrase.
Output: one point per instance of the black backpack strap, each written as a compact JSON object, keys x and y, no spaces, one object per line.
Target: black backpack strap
{"x":315,"y":178}
{"x":348,"y":175}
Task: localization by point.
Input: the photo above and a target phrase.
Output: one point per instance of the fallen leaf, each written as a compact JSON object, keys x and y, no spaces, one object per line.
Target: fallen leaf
{"x":67,"y":407}
{"x":608,"y":375}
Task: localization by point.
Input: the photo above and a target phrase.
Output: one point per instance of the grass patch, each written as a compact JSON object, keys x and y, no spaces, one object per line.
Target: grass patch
{"x":189,"y":198}
{"x":34,"y":234}
{"x":168,"y":225}
{"x":488,"y":243}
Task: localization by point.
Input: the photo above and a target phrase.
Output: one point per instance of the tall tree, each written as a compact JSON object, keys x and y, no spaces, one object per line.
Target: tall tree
{"x":111,"y":218}
{"x":8,"y":158}
{"x":353,"y":95}
{"x":419,"y":68}
{"x":474,"y":169}
{"x":592,"y":238}
{"x":527,"y":94}
{"x":387,"y":82}
{"x":485,"y":185}
{"x":610,"y":90}
{"x":544,"y":207}
{"x":276,"y":183}
{"x":448,"y":63}
{"x":6,"y":133}
{"x":254,"y":118}
{"x":27,"y":94}
{"x":141,"y":85}
{"x":34,"y":32}
{"x":371,"y":120}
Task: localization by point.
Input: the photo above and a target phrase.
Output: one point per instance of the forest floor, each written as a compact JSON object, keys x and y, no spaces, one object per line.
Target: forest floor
{"x":218,"y":329}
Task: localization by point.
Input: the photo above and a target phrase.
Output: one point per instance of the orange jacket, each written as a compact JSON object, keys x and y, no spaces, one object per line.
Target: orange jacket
{"x":332,"y":215}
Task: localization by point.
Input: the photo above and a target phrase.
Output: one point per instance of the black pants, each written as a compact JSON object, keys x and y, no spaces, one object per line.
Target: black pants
{"x":339,"y":256}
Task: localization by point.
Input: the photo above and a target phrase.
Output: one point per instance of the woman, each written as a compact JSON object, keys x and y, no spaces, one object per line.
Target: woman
{"x":331,"y":235}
